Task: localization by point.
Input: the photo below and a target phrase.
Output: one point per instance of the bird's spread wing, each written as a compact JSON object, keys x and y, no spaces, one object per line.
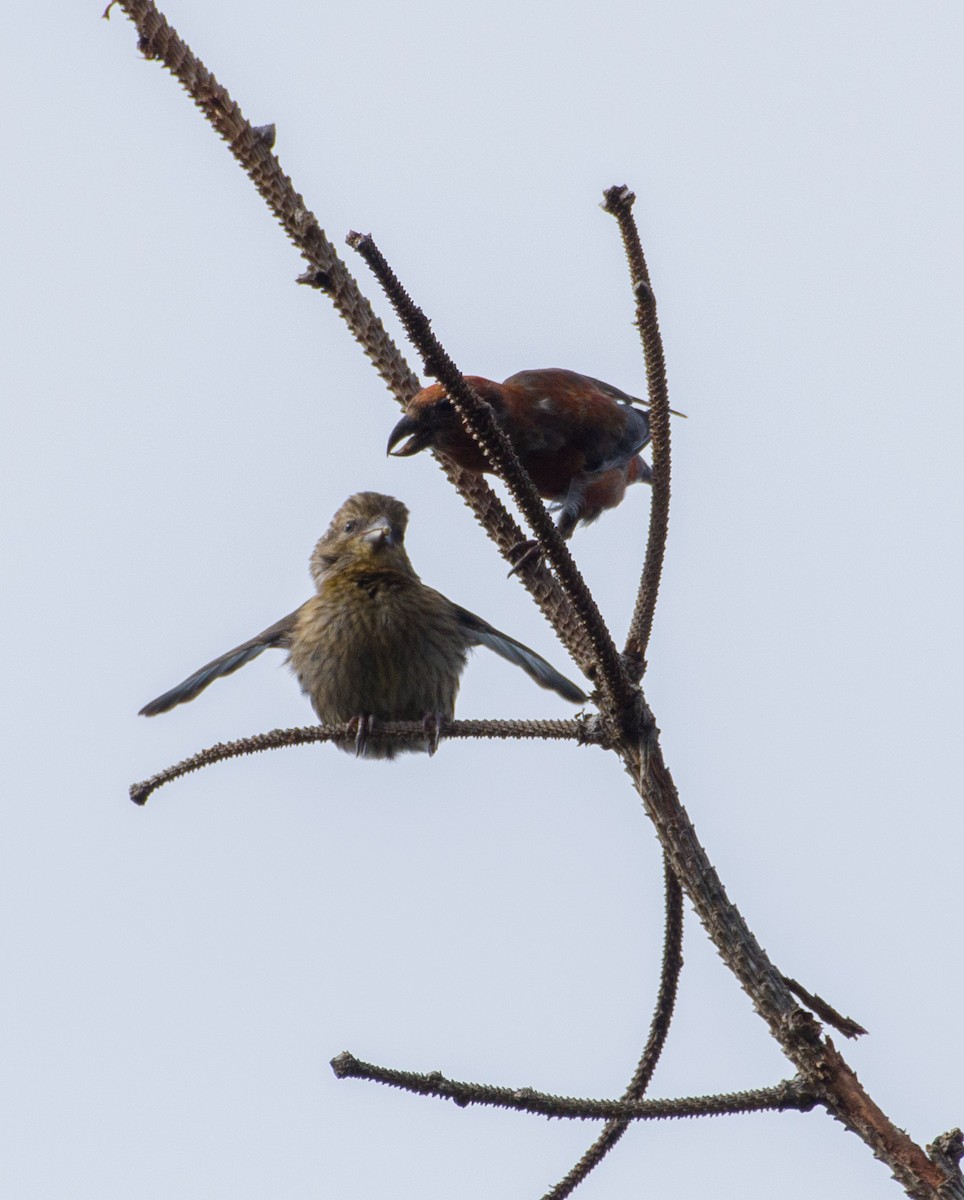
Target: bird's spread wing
{"x":278,"y":634}
{"x":534,"y":665}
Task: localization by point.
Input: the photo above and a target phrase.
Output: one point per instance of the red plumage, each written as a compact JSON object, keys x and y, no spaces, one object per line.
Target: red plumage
{"x":577,"y":437}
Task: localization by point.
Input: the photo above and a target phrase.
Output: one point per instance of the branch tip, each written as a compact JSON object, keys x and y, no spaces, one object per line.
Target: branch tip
{"x":617,"y":199}
{"x":344,"y":1065}
{"x":826,"y":1012}
{"x":947,"y":1150}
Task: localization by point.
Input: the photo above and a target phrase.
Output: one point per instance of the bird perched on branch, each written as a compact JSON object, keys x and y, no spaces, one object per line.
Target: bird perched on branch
{"x":577,"y":437}
{"x":374,"y":643}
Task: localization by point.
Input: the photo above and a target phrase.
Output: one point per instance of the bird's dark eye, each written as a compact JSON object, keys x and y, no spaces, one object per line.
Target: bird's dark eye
{"x":349,"y":526}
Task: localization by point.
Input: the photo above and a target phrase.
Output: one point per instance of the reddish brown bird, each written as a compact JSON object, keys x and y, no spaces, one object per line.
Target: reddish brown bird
{"x":578,"y":438}
{"x":374,"y":643}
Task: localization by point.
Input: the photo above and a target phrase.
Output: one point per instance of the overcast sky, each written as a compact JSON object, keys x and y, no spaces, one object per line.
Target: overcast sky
{"x":181,"y":420}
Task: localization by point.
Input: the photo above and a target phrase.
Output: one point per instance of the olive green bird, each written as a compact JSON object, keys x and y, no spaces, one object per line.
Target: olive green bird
{"x":374,"y":643}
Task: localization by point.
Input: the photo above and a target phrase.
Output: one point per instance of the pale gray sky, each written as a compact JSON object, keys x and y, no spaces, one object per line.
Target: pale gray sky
{"x":182,"y":420}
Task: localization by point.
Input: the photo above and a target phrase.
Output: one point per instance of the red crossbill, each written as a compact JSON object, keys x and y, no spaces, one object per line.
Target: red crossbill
{"x":374,"y":643}
{"x":578,"y":438}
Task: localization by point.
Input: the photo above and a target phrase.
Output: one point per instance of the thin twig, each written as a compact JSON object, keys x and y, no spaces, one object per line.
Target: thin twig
{"x":659,"y":1028}
{"x":826,"y":1012}
{"x":790,"y":1094}
{"x":584,"y":731}
{"x":479,"y":420}
{"x":619,"y":201}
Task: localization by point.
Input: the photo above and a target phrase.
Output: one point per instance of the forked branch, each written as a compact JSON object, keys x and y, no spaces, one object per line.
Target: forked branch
{"x":818,"y":1062}
{"x":824,"y":1077}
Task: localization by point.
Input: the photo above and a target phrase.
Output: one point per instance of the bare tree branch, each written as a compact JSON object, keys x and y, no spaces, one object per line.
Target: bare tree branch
{"x":584,"y":731}
{"x":619,"y":201}
{"x":829,"y":1015}
{"x":818,"y":1062}
{"x":824,"y":1076}
{"x":791,"y":1094}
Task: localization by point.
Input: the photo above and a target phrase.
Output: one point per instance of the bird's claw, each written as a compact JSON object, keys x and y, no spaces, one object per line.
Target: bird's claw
{"x":525,"y":552}
{"x":432,"y":727}
{"x":363,"y":726}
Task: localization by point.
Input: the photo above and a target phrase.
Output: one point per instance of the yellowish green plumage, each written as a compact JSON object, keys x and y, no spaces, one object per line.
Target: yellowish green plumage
{"x":374,"y":642}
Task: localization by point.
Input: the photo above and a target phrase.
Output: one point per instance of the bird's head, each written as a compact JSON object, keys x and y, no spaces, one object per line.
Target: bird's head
{"x":368,"y":530}
{"x":431,"y":419}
